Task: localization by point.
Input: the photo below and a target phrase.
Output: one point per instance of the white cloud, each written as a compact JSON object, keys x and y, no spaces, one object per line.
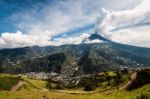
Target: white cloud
{"x":53,"y":20}
{"x":18,"y":39}
{"x":72,"y":40}
{"x":138,"y":36}
{"x":37,"y":28}
{"x":125,"y":22}
{"x":66,"y":15}
{"x":93,"y":41}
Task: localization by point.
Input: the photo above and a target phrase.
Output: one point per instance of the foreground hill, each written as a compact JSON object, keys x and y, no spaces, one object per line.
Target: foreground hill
{"x":26,"y":88}
{"x":72,"y":94}
{"x":74,"y":59}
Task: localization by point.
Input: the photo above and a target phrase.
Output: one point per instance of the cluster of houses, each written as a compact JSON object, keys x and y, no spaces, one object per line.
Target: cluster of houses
{"x":41,"y":75}
{"x":54,"y":77}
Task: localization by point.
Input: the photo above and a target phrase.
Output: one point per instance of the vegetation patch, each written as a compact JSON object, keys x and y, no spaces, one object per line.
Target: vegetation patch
{"x":8,"y":81}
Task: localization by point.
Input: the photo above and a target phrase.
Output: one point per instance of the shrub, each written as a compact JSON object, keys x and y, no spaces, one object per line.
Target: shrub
{"x":59,"y":86}
{"x":52,"y":85}
{"x":89,"y":87}
{"x":112,"y":82}
{"x":7,"y":82}
{"x":90,"y":83}
{"x":143,"y":96}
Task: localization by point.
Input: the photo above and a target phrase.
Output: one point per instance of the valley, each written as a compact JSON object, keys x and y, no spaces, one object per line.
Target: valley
{"x":74,"y":60}
{"x":74,"y":49}
{"x":105,"y":85}
{"x":106,"y":70}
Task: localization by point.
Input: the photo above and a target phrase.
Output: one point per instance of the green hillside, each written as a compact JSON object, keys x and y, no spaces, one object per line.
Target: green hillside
{"x":22,"y":87}
{"x":88,"y":58}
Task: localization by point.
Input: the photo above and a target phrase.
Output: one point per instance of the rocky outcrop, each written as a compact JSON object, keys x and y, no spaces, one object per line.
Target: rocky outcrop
{"x":138,"y":79}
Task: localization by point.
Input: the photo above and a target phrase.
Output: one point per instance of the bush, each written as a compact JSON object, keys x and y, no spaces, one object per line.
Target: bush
{"x":52,"y":85}
{"x":143,"y":96}
{"x":59,"y":86}
{"x":7,"y":82}
{"x":112,"y":82}
{"x":89,"y":87}
{"x":124,"y":71}
{"x":90,"y":83}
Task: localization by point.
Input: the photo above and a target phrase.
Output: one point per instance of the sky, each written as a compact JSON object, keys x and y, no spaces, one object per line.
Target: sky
{"x":56,"y":22}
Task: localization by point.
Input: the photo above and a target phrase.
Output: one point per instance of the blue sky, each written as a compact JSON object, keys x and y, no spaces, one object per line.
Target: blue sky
{"x":10,"y":7}
{"x":56,"y":22}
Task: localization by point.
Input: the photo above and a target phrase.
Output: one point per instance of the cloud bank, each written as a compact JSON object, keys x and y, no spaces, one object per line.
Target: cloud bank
{"x":129,"y":26}
{"x":121,"y":22}
{"x":18,"y":39}
{"x":38,"y":28}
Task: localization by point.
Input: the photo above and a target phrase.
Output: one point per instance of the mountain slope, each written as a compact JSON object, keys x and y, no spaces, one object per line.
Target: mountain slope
{"x":99,"y":37}
{"x":74,"y":59}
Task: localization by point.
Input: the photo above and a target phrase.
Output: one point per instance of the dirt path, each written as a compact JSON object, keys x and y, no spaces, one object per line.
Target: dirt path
{"x":80,"y":92}
{"x":18,"y":85}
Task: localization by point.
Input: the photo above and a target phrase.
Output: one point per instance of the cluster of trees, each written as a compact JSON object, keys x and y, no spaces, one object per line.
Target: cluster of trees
{"x":92,"y":82}
{"x":55,"y":84}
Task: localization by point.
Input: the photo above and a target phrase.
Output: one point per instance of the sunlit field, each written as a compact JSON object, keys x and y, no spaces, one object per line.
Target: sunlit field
{"x":74,"y":94}
{"x":36,"y":89}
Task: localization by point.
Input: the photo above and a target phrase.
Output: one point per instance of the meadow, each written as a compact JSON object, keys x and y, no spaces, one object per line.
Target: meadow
{"x":37,"y":89}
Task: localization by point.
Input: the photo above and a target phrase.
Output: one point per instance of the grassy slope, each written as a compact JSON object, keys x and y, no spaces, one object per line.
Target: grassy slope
{"x":35,"y":89}
{"x":74,"y":94}
{"x":38,"y":84}
{"x":8,"y":81}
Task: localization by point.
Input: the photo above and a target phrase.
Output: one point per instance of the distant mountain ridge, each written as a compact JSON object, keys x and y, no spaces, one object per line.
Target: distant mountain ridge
{"x":74,"y":59}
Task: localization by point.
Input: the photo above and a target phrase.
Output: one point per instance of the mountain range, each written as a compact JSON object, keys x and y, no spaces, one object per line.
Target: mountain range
{"x":84,"y":58}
